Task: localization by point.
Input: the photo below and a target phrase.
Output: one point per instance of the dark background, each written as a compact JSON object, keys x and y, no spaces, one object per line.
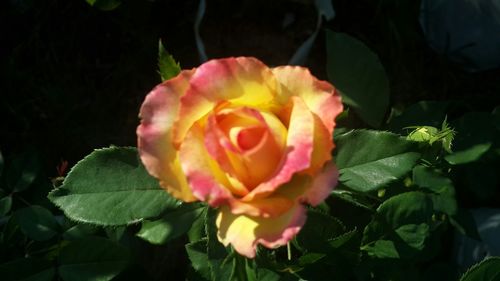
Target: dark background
{"x":73,"y":76}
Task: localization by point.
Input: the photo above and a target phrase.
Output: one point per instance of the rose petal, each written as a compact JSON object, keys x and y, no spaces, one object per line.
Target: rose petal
{"x":262,"y":207}
{"x":207,"y":181}
{"x":243,"y":144}
{"x":299,"y":148}
{"x":320,"y":96}
{"x":158,"y":113}
{"x":245,"y":232}
{"x":322,"y":185}
{"x":239,"y":81}
{"x":322,"y":147}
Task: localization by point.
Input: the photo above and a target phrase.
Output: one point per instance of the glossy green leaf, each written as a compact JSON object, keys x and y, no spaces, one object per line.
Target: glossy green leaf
{"x":487,"y":270}
{"x":357,"y":72}
{"x":92,"y":259}
{"x":111,"y":187}
{"x":171,"y":225}
{"x":167,"y":66}
{"x":368,"y":160}
{"x":27,"y":269}
{"x":37,"y":223}
{"x":5,"y":205}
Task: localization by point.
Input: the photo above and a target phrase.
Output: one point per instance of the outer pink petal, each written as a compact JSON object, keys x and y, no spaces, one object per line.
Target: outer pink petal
{"x":207,"y":181}
{"x":245,"y":232}
{"x":271,"y":206}
{"x":320,"y":96}
{"x":322,"y":185}
{"x":322,"y":147}
{"x":298,"y":151}
{"x":240,"y":81}
{"x":158,"y":114}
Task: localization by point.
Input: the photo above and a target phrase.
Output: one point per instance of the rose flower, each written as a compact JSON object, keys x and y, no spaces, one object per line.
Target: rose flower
{"x":253,"y":141}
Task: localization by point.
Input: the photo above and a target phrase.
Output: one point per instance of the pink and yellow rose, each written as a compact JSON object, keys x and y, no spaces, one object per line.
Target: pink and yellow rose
{"x":253,"y":141}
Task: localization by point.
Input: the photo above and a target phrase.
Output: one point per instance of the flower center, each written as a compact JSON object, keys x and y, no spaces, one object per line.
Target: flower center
{"x":251,"y":143}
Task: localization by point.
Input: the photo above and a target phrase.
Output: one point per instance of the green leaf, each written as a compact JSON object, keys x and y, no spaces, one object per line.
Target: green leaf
{"x":28,"y":269}
{"x":475,"y":134}
{"x":357,"y":72}
{"x":255,"y":273}
{"x":168,"y":67}
{"x":197,"y":230}
{"x":487,"y":270}
{"x":355,"y":198}
{"x":407,"y":208}
{"x":382,"y":249}
{"x":197,"y":253}
{"x":171,"y":225}
{"x":444,"y":201}
{"x":319,"y":228}
{"x":37,"y":223}
{"x":111,"y":187}
{"x":23,"y":171}
{"x":79,"y":231}
{"x":105,"y":5}
{"x":92,"y":259}
{"x":222,"y":264}
{"x":402,"y":227}
{"x":343,"y":239}
{"x":414,"y":235}
{"x":5,"y":205}
{"x":264,"y":274}
{"x":432,"y":179}
{"x":368,"y":160}
{"x":470,"y":154}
